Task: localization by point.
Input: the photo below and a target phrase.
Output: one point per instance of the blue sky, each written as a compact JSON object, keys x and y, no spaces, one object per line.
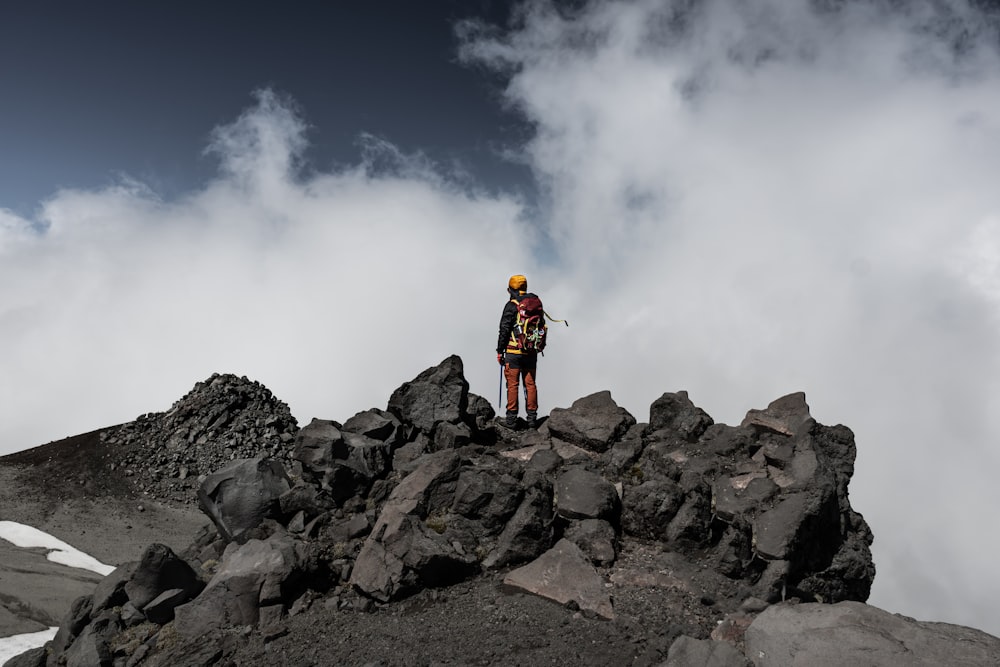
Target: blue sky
{"x":92,"y":90}
{"x":737,"y":200}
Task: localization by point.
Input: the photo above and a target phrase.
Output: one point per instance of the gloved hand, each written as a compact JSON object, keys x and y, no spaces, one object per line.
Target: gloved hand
{"x":500,"y":358}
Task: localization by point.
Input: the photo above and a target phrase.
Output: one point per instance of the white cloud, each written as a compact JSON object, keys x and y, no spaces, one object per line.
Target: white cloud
{"x":331,"y":289}
{"x":746,"y":200}
{"x":778,"y":198}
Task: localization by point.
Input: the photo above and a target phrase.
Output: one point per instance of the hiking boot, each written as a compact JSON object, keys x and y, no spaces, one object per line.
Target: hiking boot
{"x":532,"y":420}
{"x":511,"y":421}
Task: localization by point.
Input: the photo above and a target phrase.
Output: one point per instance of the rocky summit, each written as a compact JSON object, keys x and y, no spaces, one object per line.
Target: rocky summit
{"x":429,"y":533}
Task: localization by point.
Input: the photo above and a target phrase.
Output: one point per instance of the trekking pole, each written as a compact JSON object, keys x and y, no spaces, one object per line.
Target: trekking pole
{"x":500,"y":393}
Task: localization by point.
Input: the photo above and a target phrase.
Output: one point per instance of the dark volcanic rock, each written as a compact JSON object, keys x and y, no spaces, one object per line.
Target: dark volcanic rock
{"x":785,"y":415}
{"x":317,"y":445}
{"x":223,"y":418}
{"x":438,"y":395}
{"x":160,"y":570}
{"x":767,"y":500}
{"x":596,"y":538}
{"x":650,"y":507}
{"x":256,"y":574}
{"x":529,"y":531}
{"x":581,"y":494}
{"x":594,"y":422}
{"x":851,"y":633}
{"x":691,"y":652}
{"x":695,"y":528}
{"x":385,"y":568}
{"x":564,"y":574}
{"x":678,"y":416}
{"x":242,"y":494}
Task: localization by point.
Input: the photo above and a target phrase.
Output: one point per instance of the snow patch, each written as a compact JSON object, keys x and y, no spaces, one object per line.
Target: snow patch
{"x":27,"y":537}
{"x":18,"y":644}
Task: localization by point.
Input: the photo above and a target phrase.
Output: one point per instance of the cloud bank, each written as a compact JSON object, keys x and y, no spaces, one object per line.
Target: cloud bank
{"x":739,"y":200}
{"x":761,"y":197}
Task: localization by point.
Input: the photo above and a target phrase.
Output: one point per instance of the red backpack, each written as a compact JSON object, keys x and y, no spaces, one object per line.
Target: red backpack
{"x":529,"y":330}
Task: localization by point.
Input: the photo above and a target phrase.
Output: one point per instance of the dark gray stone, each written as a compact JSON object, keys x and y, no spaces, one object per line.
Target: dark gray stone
{"x":451,"y":436}
{"x":692,"y":523}
{"x":564,"y":574}
{"x":650,"y":507}
{"x":625,"y":452}
{"x":785,"y":415}
{"x":777,"y":529}
{"x":159,"y":570}
{"x":596,"y":538}
{"x":404,"y":554}
{"x":131,"y":616}
{"x":690,"y":652}
{"x":88,"y":650}
{"x":73,"y":623}
{"x":677,"y":415}
{"x":375,"y":424}
{"x":91,"y":648}
{"x":254,"y":574}
{"x":491,"y":496}
{"x":545,"y":461}
{"x":581,"y":494}
{"x":528,"y":533}
{"x":400,"y":545}
{"x":110,"y":592}
{"x":481,"y":414}
{"x":594,"y":422}
{"x":239,"y":496}
{"x":439,"y":394}
{"x":318,"y":444}
{"x":370,"y":457}
{"x":852,"y":633}
{"x":161,"y":609}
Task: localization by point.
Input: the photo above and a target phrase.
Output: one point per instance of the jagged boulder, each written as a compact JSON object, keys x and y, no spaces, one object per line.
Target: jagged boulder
{"x":529,"y":531}
{"x":240,"y":495}
{"x":446,"y":517}
{"x":158,"y":571}
{"x":345,"y":461}
{"x":481,"y":413}
{"x":256,"y":575}
{"x":785,"y":415}
{"x":564,"y":574}
{"x":439,"y":395}
{"x":596,"y":538}
{"x":317,"y":445}
{"x":690,"y":652}
{"x":385,"y":568}
{"x":830,"y":635}
{"x":767,"y":500}
{"x":673,"y":415}
{"x":650,"y":507}
{"x":582,"y":494}
{"x":594,"y":422}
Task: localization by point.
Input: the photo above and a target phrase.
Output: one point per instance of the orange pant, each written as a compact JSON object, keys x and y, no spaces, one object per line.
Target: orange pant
{"x":512,"y":375}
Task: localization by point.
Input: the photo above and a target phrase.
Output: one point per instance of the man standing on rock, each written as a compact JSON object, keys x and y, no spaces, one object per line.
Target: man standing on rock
{"x":518,"y":345}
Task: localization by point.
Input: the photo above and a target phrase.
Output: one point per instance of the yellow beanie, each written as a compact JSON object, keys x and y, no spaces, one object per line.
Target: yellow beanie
{"x":518,"y":282}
